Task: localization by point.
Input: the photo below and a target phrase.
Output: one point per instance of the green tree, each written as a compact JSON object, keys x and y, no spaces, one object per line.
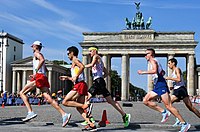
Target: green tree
{"x":59,"y":62}
{"x":135,"y":92}
{"x":115,"y":83}
{"x":184,"y":76}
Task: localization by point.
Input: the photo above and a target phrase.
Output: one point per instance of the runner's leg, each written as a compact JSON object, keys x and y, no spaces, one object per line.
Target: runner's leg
{"x":189,"y":105}
{"x":27,"y":88}
{"x":148,"y":101}
{"x":167,"y":102}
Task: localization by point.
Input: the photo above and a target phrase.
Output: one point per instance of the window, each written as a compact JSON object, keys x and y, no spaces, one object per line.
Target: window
{"x":14,"y":48}
{"x":14,"y":58}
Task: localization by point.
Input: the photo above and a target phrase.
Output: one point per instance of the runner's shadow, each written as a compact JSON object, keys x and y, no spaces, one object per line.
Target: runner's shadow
{"x":197,"y":127}
{"x":11,"y":121}
{"x":132,"y":126}
{"x":72,"y":124}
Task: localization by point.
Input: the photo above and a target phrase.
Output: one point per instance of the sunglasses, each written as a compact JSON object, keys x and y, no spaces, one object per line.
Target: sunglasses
{"x":147,"y":54}
{"x":68,"y":53}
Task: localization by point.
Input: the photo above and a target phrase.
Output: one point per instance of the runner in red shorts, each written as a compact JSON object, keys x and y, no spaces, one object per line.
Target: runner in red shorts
{"x":40,"y":80}
{"x":76,"y":97}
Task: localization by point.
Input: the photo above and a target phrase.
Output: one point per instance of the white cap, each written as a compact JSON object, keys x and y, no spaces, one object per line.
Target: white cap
{"x":37,"y":43}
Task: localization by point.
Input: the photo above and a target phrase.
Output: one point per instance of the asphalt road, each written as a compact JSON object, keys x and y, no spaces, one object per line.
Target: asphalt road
{"x":48,"y":119}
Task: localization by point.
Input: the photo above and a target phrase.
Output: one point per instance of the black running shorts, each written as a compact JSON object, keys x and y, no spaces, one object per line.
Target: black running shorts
{"x":181,"y":93}
{"x":99,"y":87}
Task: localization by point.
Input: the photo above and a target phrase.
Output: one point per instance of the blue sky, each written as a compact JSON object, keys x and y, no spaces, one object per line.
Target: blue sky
{"x":59,"y":24}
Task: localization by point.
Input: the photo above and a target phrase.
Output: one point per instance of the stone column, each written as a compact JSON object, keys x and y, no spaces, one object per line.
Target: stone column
{"x":109,"y":70}
{"x":199,"y":83}
{"x":149,"y":79}
{"x":169,"y":71}
{"x":125,"y":76}
{"x":50,"y":78}
{"x":190,"y":74}
{"x":60,"y":82}
{"x":90,"y":80}
{"x":128,"y":77}
{"x":58,"y":86}
{"x":107,"y":63}
{"x":86,"y":71}
{"x":56,"y":82}
{"x":24,"y":78}
{"x":19,"y":87}
{"x":14,"y":86}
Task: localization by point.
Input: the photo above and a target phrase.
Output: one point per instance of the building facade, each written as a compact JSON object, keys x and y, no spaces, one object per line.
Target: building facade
{"x":133,"y":43}
{"x":11,"y":49}
{"x":21,"y":70}
{"x":15,"y":71}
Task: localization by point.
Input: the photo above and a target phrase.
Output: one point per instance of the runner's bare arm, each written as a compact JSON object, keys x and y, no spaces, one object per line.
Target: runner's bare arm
{"x":152,"y":71}
{"x":41,"y":59}
{"x":94,"y":60}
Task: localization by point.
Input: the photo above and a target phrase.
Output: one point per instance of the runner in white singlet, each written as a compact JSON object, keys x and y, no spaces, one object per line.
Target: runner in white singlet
{"x":180,"y":91}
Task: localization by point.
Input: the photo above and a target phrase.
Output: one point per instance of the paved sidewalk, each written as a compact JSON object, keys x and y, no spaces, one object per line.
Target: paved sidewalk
{"x":48,"y":119}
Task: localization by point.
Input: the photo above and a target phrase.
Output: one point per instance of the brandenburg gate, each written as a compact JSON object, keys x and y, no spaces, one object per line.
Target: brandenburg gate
{"x":133,"y":43}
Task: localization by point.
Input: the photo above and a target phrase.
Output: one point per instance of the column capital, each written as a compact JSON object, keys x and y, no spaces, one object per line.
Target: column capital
{"x":171,"y":54}
{"x":191,"y":54}
{"x":124,"y":54}
{"x":84,"y":54}
{"x":104,"y":54}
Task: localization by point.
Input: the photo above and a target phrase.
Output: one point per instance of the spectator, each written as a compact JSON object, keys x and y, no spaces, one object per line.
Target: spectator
{"x":4,"y":98}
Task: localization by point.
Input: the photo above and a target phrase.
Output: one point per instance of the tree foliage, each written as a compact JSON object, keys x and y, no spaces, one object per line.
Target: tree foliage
{"x":135,"y":92}
{"x":115,"y":83}
{"x":184,"y":76}
{"x":59,"y":62}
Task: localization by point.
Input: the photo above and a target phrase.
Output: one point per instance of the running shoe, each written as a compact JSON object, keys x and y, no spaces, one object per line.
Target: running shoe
{"x":185,"y":127}
{"x":86,"y":123}
{"x":30,"y":116}
{"x":177,"y":123}
{"x":165,"y":116}
{"x":126,"y":118}
{"x":92,"y":120}
{"x":90,"y":128}
{"x":66,"y":119}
